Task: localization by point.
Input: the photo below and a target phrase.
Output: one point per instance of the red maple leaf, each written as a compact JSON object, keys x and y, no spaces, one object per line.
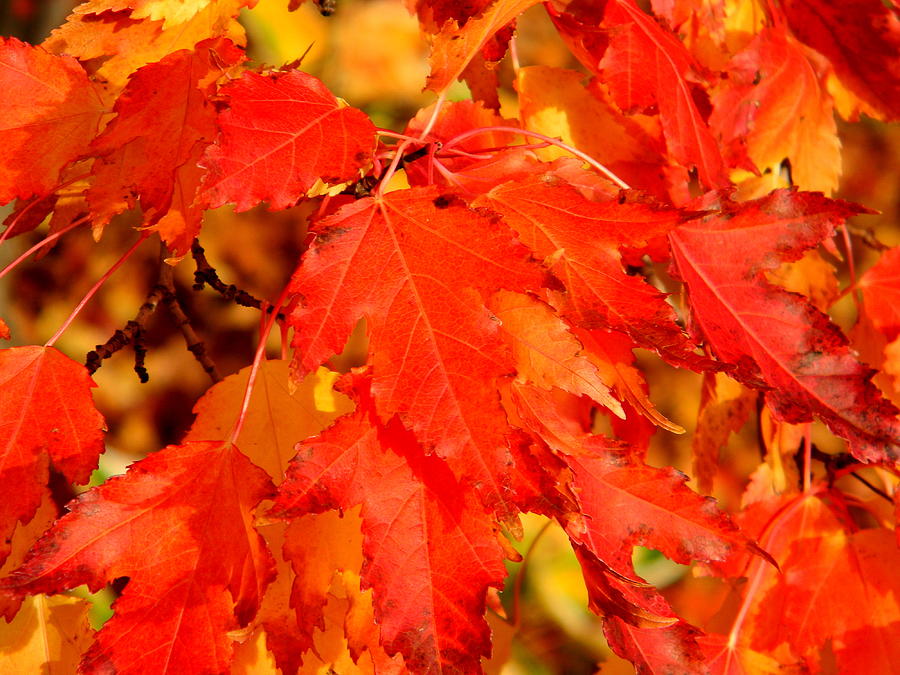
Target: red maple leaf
{"x":435,"y":346}
{"x":760,"y":124}
{"x":48,"y":123}
{"x":670,"y":649}
{"x":47,"y":418}
{"x":861,"y":38}
{"x":581,"y":240}
{"x":881,"y":293}
{"x":840,"y":588}
{"x":164,"y":111}
{"x":805,"y":366}
{"x":280,"y":133}
{"x":648,"y":68}
{"x":628,"y":503}
{"x":454,"y":47}
{"x":203,"y":576}
{"x":430,"y":550}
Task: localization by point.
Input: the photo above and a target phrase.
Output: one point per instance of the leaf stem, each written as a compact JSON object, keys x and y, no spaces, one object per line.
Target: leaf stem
{"x":257,"y":359}
{"x":95,"y":288}
{"x":807,"y":458}
{"x":394,"y":134}
{"x":49,"y":239}
{"x":851,"y":265}
{"x":520,"y":577}
{"x":756,"y":578}
{"x":514,"y":54}
{"x":546,"y":139}
{"x":434,"y":115}
{"x":395,"y":162}
{"x":448,"y":175}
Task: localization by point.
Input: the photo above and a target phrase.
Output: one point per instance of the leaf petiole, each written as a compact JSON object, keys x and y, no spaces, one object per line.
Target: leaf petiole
{"x":546,"y":139}
{"x":49,"y":239}
{"x":257,"y":359}
{"x":95,"y":288}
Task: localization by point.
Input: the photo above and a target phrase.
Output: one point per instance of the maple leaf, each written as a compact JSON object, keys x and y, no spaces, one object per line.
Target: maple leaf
{"x":433,"y":14}
{"x":23,"y":538}
{"x":557,"y":103}
{"x":348,"y":641}
{"x":435,"y":347}
{"x":279,"y":414}
{"x":317,"y":546}
{"x":47,"y":418}
{"x":754,"y":116}
{"x":861,"y":38}
{"x":277,"y":417}
{"x":281,"y":133}
{"x":276,"y":622}
{"x":170,"y":12}
{"x":580,"y":239}
{"x":556,"y":417}
{"x":429,"y":547}
{"x":47,"y":630}
{"x":623,"y":503}
{"x":725,"y":407}
{"x":805,"y":366}
{"x":199,"y":571}
{"x":612,"y":594}
{"x":487,"y":158}
{"x":670,"y":649}
{"x":455,"y":46}
{"x":779,"y":523}
{"x":112,"y":45}
{"x":164,"y":111}
{"x":841,"y":588}
{"x":627,"y":503}
{"x":49,"y":122}
{"x":546,"y":353}
{"x":881,"y":293}
{"x":646,"y":66}
{"x":612,"y":353}
{"x":724,"y":658}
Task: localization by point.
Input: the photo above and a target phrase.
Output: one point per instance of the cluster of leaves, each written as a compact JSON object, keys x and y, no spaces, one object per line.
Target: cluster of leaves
{"x":505,"y":278}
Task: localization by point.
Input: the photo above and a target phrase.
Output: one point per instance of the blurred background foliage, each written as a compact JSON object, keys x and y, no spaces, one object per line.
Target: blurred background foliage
{"x":371,"y":53}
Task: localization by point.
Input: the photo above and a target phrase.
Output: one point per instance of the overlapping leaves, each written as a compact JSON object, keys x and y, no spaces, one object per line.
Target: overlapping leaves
{"x":502,"y":296}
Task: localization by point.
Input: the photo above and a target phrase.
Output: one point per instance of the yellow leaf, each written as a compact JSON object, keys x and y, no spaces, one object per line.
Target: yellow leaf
{"x":171,"y":12}
{"x":120,"y":44}
{"x":277,"y":418}
{"x":556,"y":103}
{"x":48,"y":636}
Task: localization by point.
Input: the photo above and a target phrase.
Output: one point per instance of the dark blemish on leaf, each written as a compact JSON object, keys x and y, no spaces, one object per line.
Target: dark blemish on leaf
{"x":325,"y":237}
{"x":119,"y":583}
{"x":640,"y":531}
{"x":444,"y":201}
